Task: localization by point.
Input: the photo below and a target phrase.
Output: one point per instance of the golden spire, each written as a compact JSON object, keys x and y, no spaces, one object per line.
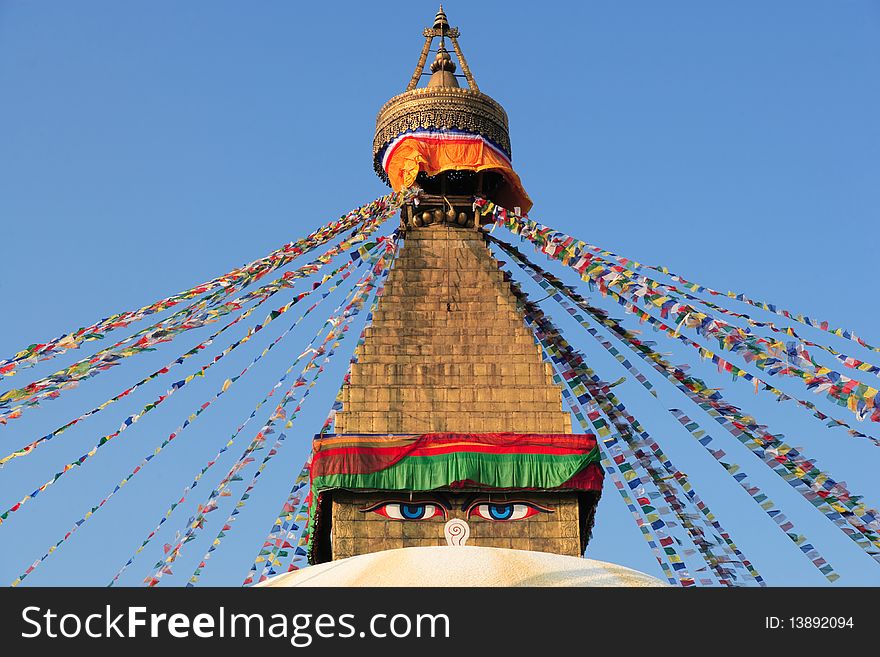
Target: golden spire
{"x":442,"y":30}
{"x":442,"y":103}
{"x":440,"y":21}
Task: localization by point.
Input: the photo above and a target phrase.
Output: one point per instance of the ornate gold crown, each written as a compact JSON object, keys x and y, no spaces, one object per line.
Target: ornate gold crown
{"x":442,"y":103}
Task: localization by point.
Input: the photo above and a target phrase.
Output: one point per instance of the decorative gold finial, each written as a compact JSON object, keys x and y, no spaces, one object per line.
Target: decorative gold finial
{"x":440,"y":22}
{"x":442,"y":103}
{"x":443,"y":62}
{"x":446,"y":107}
{"x":443,"y":70}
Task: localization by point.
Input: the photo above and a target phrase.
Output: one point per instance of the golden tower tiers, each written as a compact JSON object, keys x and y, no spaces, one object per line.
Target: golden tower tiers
{"x":451,"y":141}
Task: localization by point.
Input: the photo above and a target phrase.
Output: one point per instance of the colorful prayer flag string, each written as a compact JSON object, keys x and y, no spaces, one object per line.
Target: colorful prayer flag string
{"x":857,"y":397}
{"x":548,"y":282}
{"x":844,"y":359}
{"x":340,"y":326}
{"x":51,"y":386}
{"x":174,"y":434}
{"x":589,"y":385}
{"x":821,"y":325}
{"x":29,"y":448}
{"x":299,"y":382}
{"x":841,"y":507}
{"x":227,"y":526}
{"x":270,"y":553}
{"x":602,"y":254}
{"x":149,"y":407}
{"x":649,"y":528}
{"x":758,"y":496}
{"x":732,"y":468}
{"x":673,"y":332}
{"x":284,"y":529}
{"x":385,"y":205}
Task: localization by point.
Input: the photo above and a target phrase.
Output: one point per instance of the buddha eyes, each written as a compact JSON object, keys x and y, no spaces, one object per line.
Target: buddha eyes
{"x":505,"y":511}
{"x":495,"y":512}
{"x":408,"y":510}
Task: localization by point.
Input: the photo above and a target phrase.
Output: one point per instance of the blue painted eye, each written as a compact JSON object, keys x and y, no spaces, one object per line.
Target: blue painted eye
{"x":506,"y":512}
{"x":408,"y":510}
{"x":412,"y":511}
{"x":500,"y":511}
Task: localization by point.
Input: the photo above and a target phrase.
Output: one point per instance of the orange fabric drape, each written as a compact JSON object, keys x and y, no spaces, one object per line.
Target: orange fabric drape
{"x":434,"y":155}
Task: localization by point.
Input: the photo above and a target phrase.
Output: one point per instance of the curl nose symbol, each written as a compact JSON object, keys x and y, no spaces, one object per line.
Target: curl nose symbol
{"x":456,"y":531}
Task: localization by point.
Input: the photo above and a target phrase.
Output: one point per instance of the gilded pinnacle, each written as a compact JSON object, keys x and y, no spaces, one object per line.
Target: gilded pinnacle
{"x":442,"y":103}
{"x":440,"y":21}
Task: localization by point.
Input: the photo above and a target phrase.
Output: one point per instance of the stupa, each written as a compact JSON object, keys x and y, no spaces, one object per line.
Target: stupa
{"x":452,"y":432}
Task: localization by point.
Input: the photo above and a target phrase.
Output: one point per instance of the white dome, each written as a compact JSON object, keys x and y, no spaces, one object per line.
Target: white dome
{"x":463,"y":566}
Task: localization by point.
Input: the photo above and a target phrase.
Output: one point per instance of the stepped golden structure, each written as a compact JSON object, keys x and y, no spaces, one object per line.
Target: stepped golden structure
{"x":448,"y":351}
{"x":451,"y":428}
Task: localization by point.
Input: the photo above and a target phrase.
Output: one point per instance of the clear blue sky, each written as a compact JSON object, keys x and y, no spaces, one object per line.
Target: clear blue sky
{"x":148,"y":146}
